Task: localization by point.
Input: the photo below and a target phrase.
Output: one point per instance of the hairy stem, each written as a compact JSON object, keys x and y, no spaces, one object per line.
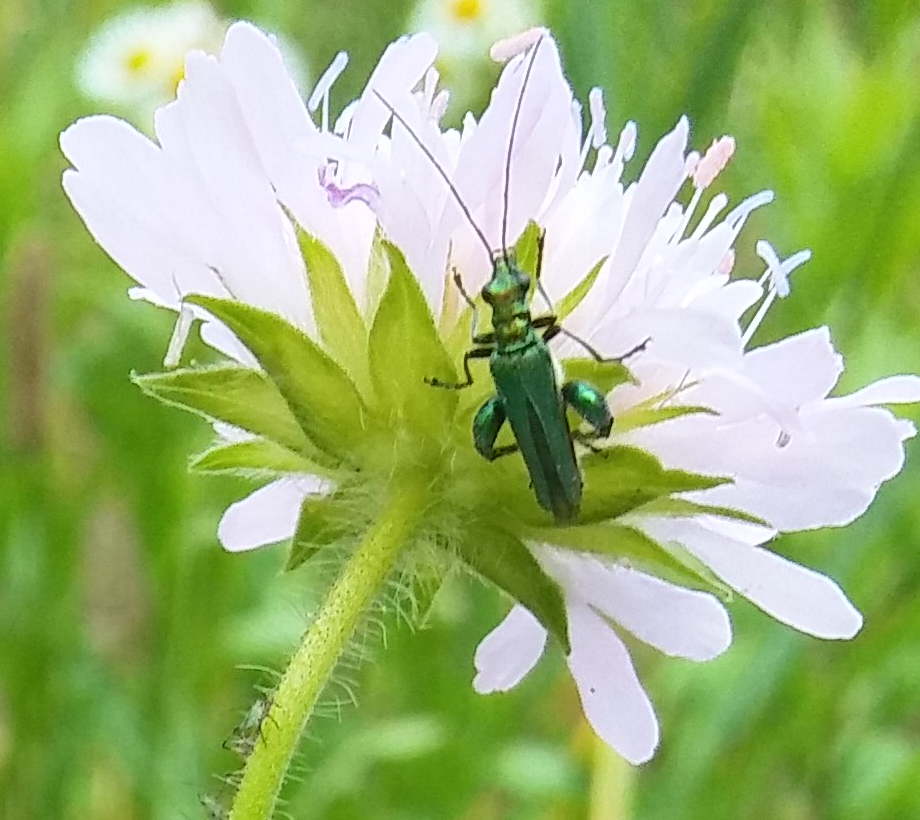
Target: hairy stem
{"x":309,"y":670}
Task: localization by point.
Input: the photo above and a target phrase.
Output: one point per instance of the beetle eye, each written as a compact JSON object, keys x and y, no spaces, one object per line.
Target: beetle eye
{"x":486,"y":294}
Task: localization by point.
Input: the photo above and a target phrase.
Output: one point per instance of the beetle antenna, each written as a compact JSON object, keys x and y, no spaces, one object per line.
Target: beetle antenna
{"x":514,"y":123}
{"x":425,"y":150}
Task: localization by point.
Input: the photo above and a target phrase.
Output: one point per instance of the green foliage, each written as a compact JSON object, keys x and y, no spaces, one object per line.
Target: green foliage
{"x":398,"y":370}
{"x":318,"y":392}
{"x":236,"y":395}
{"x":504,"y":560}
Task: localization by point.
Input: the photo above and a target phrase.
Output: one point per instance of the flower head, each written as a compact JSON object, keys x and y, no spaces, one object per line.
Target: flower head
{"x":325,"y":261}
{"x":136,"y":59}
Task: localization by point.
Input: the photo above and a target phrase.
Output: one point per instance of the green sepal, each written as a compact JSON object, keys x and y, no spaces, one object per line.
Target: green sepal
{"x":319,"y":525}
{"x":620,"y":479}
{"x":646,"y":416}
{"x":574,"y":297}
{"x":527,"y":249}
{"x":633,"y":548}
{"x":683,"y":508}
{"x":405,"y":349}
{"x":338,"y":320}
{"x":233,"y":394}
{"x":251,"y":457}
{"x":318,"y":391}
{"x":603,"y":375}
{"x":504,"y":560}
{"x":378,"y":274}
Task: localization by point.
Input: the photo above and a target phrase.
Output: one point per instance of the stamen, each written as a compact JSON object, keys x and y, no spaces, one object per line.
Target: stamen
{"x":737,"y":217}
{"x":598,"y":130}
{"x":716,"y":206}
{"x":604,"y":155}
{"x":321,"y":90}
{"x":429,"y":85}
{"x":626,"y":144}
{"x":726,"y":263}
{"x":439,"y":105}
{"x":339,"y":197}
{"x":180,"y":334}
{"x":510,"y":47}
{"x":778,"y":273}
{"x":343,"y":123}
{"x":690,"y":163}
{"x":716,"y":158}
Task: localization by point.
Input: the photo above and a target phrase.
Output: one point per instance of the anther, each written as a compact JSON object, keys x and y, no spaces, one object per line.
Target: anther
{"x":510,"y":47}
{"x":715,"y":159}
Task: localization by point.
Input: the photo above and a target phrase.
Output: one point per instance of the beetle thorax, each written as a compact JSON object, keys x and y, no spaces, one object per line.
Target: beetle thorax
{"x":506,"y":292}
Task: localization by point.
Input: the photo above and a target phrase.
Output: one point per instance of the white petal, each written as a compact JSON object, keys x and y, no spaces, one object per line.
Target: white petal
{"x":508,"y":652}
{"x":659,"y":182}
{"x":612,"y":697}
{"x":802,"y":598}
{"x":797,"y":369}
{"x":891,"y":390}
{"x":268,"y":515}
{"x":680,"y":622}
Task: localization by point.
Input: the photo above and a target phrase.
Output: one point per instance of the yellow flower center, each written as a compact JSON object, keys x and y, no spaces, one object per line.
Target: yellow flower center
{"x":177,"y":77}
{"x":137,"y":61}
{"x":466,"y":11}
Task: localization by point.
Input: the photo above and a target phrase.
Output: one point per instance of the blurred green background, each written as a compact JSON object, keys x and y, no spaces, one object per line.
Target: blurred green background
{"x":124,"y":627}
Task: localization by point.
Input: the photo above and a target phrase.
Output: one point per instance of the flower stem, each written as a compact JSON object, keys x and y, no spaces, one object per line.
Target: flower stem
{"x":612,"y":784}
{"x":306,"y":675}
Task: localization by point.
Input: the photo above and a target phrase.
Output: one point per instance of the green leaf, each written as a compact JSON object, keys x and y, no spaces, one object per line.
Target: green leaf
{"x":256,"y":455}
{"x":504,"y":560}
{"x":338,"y":321}
{"x":319,"y":525}
{"x":633,"y":548}
{"x":645,"y":416}
{"x":405,"y":349}
{"x":378,"y":274}
{"x":620,"y":479}
{"x":319,"y":393}
{"x":574,"y":297}
{"x":233,"y":394}
{"x":527,"y":249}
{"x":603,"y":375}
{"x":682,"y":508}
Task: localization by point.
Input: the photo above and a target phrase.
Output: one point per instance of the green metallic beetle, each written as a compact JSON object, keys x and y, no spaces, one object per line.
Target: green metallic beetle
{"x":527,"y":392}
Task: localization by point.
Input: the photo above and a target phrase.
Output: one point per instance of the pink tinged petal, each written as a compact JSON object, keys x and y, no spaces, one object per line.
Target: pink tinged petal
{"x":680,"y":622}
{"x":797,"y":369}
{"x":264,"y":266}
{"x":291,"y":149}
{"x":658,"y":184}
{"x":799,"y":597}
{"x":612,"y":697}
{"x":508,"y":652}
{"x":268,"y":515}
{"x":135,"y":205}
{"x":401,"y":67}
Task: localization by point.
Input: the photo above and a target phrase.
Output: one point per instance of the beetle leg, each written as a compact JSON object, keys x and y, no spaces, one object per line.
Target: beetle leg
{"x":586,"y":400}
{"x":595,"y":354}
{"x":486,"y":426}
{"x":474,"y":353}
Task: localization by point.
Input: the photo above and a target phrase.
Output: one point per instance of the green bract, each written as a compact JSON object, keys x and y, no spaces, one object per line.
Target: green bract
{"x":355,"y":408}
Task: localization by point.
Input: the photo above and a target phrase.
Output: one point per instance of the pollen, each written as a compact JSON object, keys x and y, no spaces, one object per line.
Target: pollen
{"x":466,"y":11}
{"x":138,"y":61}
